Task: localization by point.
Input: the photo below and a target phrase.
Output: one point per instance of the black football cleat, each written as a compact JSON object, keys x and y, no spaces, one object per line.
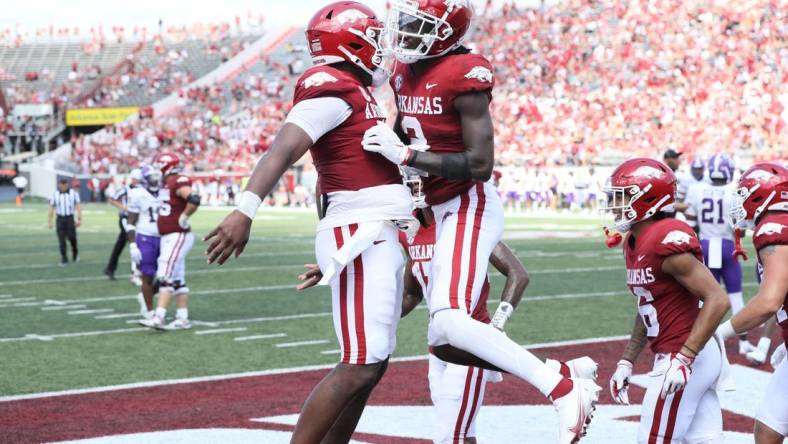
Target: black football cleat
{"x":110,"y":274}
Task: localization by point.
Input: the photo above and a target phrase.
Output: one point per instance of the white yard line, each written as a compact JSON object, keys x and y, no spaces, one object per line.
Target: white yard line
{"x":9,"y":301}
{"x":301,"y":343}
{"x":136,"y":385}
{"x":63,"y":307}
{"x":330,"y":352}
{"x":219,"y":330}
{"x":73,"y":335}
{"x":119,"y":315}
{"x":91,"y":311}
{"x":255,"y":337}
{"x":4,"y":296}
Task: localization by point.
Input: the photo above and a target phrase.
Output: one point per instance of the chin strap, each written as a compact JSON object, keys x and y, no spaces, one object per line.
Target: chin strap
{"x":739,"y":250}
{"x":612,"y":240}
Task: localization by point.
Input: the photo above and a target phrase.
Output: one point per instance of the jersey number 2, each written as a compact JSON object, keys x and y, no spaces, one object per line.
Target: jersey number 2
{"x":412,"y":127}
{"x":707,"y":213}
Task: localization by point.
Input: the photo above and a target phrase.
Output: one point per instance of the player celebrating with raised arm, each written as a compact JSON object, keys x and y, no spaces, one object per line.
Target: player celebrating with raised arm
{"x":356,"y":242}
{"x":762,"y":198}
{"x":665,"y":272}
{"x":142,"y":231}
{"x":443,"y":95}
{"x":177,"y":203}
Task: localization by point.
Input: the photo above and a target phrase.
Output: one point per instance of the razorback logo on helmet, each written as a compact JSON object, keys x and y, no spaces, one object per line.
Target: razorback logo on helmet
{"x":481,"y":73}
{"x":350,"y":15}
{"x":647,"y":171}
{"x":676,"y":237}
{"x":770,"y":228}
{"x":318,"y":79}
{"x":182,"y":179}
{"x":759,"y":175}
{"x":456,"y":3}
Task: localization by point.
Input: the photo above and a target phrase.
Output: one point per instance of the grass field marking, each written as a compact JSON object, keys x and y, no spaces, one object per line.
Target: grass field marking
{"x":255,"y":337}
{"x":91,"y":311}
{"x":6,"y":295}
{"x":12,"y":300}
{"x":27,"y":304}
{"x":119,"y":315}
{"x":204,"y":323}
{"x":331,"y":352}
{"x":280,"y":371}
{"x":39,"y":337}
{"x":219,"y":330}
{"x":63,"y":307}
{"x":30,"y":336}
{"x":301,"y":343}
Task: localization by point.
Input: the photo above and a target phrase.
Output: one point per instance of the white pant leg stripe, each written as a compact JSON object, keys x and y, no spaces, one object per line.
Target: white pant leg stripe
{"x":467,"y":237}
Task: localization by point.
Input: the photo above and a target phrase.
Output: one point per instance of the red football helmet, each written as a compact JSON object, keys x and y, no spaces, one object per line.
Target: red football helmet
{"x":167,"y":162}
{"x":422,"y":29}
{"x":345,"y":32}
{"x":762,"y":187}
{"x":637,"y":189}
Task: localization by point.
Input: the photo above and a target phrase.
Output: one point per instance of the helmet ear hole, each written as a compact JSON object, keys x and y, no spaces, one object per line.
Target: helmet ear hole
{"x":355,"y":46}
{"x":330,"y":13}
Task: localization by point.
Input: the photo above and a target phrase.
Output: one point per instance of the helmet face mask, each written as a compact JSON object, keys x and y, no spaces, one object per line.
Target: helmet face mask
{"x":151,"y":178}
{"x":413,"y":33}
{"x":762,"y":188}
{"x":411,"y":178}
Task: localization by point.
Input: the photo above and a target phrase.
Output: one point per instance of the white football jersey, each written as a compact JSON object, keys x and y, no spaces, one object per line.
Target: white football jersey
{"x":685,"y":181}
{"x":142,"y":202}
{"x":710,"y":205}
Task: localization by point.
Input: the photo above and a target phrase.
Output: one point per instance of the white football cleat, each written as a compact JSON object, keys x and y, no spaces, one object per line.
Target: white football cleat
{"x":152,"y":322}
{"x":583,"y":367}
{"x":745,"y":347}
{"x":179,"y":324}
{"x":575,"y":410}
{"x":136,"y":280}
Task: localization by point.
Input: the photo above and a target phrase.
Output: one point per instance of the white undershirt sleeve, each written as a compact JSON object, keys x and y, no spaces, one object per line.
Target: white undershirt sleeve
{"x":319,"y":116}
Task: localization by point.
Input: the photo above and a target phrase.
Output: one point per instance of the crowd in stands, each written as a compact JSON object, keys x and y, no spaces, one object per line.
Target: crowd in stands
{"x":576,"y":84}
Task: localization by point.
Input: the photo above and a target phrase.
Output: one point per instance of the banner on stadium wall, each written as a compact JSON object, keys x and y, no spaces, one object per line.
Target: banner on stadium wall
{"x":98,"y":116}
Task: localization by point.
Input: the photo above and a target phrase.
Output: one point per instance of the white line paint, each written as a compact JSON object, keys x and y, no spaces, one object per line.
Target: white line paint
{"x":9,"y":301}
{"x":255,"y":337}
{"x":198,"y":292}
{"x":301,"y":343}
{"x":3,"y":296}
{"x":206,"y":324}
{"x":63,"y":307}
{"x":93,"y":311}
{"x":119,"y":315}
{"x":75,"y":335}
{"x":330,"y":352}
{"x":280,"y":371}
{"x":219,"y":330}
{"x":27,"y":304}
{"x":39,"y":337}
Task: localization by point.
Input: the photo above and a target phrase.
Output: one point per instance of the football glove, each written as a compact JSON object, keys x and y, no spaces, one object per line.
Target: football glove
{"x":677,"y":375}
{"x":778,"y":355}
{"x":619,"y":382}
{"x":183,"y":222}
{"x":135,"y":253}
{"x":383,"y":140}
{"x":502,"y":314}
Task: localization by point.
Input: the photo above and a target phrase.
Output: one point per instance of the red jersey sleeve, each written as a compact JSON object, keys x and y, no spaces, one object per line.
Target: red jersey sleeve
{"x":403,"y":240}
{"x":323,"y":81}
{"x":676,"y":237}
{"x":179,"y":182}
{"x":773,"y":230}
{"x":471,"y":73}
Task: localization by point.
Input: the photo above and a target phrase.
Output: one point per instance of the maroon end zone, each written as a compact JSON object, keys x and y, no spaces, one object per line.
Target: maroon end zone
{"x":232,"y":402}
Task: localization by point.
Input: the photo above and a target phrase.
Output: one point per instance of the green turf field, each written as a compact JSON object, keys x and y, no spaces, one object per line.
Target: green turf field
{"x":69,"y":327}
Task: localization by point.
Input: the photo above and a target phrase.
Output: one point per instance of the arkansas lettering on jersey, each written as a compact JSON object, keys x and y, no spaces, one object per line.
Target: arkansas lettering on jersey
{"x":773,"y":230}
{"x":420,"y":253}
{"x":667,"y":308}
{"x":341,"y":162}
{"x":171,"y":205}
{"x":425,"y":103}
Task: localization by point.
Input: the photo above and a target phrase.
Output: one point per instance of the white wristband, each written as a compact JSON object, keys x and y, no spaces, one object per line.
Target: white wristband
{"x":726,"y":330}
{"x":248,"y":204}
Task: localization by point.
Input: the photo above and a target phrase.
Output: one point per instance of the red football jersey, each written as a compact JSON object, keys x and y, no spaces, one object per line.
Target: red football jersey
{"x":773,"y":230}
{"x":425,"y":103}
{"x":420,"y":253}
{"x":340,"y":161}
{"x":667,"y":308}
{"x":171,"y":205}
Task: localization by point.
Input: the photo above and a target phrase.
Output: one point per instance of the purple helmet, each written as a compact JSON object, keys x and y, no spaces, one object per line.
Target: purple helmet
{"x":697,"y":168}
{"x":721,"y":167}
{"x":151,"y":178}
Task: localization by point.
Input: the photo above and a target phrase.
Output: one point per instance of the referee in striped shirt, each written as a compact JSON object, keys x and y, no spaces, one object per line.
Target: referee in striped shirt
{"x":65,"y":203}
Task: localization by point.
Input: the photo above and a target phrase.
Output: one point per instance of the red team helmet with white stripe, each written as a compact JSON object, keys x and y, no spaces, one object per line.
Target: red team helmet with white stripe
{"x":761,"y":188}
{"x":637,"y":190}
{"x":422,"y":29}
{"x":167,"y":162}
{"x":346,"y":32}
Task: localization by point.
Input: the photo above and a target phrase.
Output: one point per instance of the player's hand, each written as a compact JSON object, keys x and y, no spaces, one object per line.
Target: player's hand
{"x":383,"y":140}
{"x":310,"y":277}
{"x":50,"y":225}
{"x":78,"y":223}
{"x":229,"y":237}
{"x":778,"y":355}
{"x":619,"y":382}
{"x":677,"y":375}
{"x":502,"y":314}
{"x":136,"y":254}
{"x":183,"y":222}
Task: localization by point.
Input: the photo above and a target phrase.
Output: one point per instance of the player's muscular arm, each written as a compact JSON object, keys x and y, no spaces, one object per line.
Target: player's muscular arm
{"x":411,"y":295}
{"x":185,"y":193}
{"x":637,"y":341}
{"x":131,"y":230}
{"x":695,"y":277}
{"x":476,"y":163}
{"x":771,"y":292}
{"x":505,"y":261}
{"x":116,"y":203}
{"x":232,"y":234}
